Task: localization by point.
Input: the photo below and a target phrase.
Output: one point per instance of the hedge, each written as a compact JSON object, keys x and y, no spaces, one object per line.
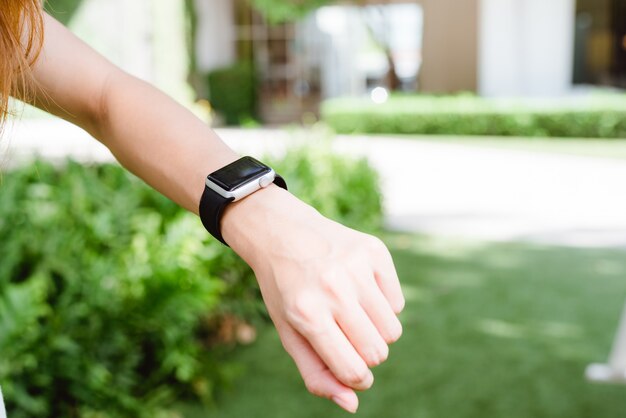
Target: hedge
{"x":112,"y":298}
{"x":233,"y":92}
{"x":594,"y":117}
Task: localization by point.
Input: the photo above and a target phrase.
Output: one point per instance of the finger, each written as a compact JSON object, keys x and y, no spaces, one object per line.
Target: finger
{"x":387,"y":276}
{"x":377,"y":307}
{"x":333,"y":347}
{"x":318,"y":379}
{"x":380,"y":312}
{"x":363,"y":335}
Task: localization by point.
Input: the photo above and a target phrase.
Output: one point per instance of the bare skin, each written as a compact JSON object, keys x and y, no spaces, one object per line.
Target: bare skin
{"x":332,"y":292}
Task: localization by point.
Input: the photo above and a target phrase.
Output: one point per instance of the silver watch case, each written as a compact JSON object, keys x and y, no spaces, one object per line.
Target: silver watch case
{"x":245,"y":189}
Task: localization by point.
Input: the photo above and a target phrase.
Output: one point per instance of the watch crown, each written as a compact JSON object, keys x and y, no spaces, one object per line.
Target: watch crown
{"x":265,"y":181}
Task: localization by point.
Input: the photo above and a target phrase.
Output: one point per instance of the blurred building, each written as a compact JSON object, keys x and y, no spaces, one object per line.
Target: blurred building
{"x":335,"y":51}
{"x":493,"y":47}
{"x":543,"y":48}
{"x":523,"y":47}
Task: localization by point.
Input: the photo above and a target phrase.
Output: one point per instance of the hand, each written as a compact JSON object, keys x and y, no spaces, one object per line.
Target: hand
{"x":332,"y":292}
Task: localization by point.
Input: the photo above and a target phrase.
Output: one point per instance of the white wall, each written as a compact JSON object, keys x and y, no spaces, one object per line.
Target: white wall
{"x":144,"y":37}
{"x":526,"y":47}
{"x":215,"y":42}
{"x":343,"y":34}
{"x":120,"y":30}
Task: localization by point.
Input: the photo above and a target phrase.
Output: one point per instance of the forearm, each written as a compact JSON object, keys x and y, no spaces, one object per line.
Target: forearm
{"x":158,"y":139}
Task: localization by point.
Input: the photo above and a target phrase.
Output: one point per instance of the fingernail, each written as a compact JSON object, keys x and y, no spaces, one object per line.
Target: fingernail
{"x":345,"y":402}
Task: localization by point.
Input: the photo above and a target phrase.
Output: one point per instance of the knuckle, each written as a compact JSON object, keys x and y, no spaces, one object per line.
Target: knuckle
{"x":359,"y":378}
{"x":377,"y":355}
{"x":330,"y":281}
{"x":312,"y":329}
{"x":303,"y":309}
{"x":315,"y":330}
{"x":376,"y":245}
{"x":314,"y":385}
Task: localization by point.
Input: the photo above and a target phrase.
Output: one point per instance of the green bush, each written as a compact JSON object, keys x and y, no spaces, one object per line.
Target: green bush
{"x":602,"y":117}
{"x":233,"y":92}
{"x":340,"y":188}
{"x":109,"y":291}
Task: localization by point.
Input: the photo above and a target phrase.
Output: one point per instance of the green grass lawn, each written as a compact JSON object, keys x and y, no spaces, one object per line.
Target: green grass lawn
{"x":490,"y":330}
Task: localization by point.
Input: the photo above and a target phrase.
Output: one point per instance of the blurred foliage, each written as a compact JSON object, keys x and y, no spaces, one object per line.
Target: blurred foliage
{"x":342,"y":189}
{"x":62,"y":10}
{"x":594,"y":117}
{"x":279,"y":11}
{"x":233,"y":92}
{"x":110,"y":294}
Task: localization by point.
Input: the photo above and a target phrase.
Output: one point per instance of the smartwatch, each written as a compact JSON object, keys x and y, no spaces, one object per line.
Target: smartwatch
{"x":230,"y":184}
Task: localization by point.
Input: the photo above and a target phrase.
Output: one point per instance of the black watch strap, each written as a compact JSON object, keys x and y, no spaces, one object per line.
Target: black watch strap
{"x":212,"y":206}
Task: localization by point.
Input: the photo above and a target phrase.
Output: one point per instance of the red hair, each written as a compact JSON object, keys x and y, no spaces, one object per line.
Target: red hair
{"x":21,"y":36}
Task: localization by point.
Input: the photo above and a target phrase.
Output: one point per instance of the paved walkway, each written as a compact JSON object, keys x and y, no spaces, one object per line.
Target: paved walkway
{"x":431,"y":187}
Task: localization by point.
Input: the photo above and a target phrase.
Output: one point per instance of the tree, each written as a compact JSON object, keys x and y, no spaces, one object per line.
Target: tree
{"x":381,"y":35}
{"x":279,"y":11}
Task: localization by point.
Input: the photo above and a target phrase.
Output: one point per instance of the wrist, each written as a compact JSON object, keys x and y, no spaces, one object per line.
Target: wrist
{"x":196,"y":188}
{"x":232,"y":183}
{"x":254,"y":227}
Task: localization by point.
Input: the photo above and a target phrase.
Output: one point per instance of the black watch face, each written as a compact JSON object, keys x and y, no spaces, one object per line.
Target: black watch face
{"x":238,"y":173}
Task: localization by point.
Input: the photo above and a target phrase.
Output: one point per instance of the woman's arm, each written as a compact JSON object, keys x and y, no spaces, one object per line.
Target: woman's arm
{"x":332,"y":292}
{"x":149,"y":133}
